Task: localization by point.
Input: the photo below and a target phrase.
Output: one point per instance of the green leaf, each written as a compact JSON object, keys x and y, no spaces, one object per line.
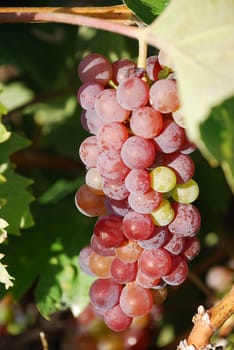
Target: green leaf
{"x":147,"y":10}
{"x":14,"y":195}
{"x":48,"y":253}
{"x":199,"y":43}
{"x":15,"y":95}
{"x":218,"y":138}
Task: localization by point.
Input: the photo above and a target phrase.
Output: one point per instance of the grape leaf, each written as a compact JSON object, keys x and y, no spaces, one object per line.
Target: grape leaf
{"x":147,"y":10}
{"x":199,"y":43}
{"x":14,"y":196}
{"x":47,"y":254}
{"x":217,"y":135}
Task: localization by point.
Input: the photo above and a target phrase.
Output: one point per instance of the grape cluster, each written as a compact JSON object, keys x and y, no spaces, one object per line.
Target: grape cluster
{"x":139,"y":182}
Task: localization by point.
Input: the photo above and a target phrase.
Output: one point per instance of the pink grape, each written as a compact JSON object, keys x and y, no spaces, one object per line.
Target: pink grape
{"x":98,"y":248}
{"x":191,"y":248}
{"x":129,"y":251}
{"x":187,"y":220}
{"x":123,"y":272}
{"x":132,"y":93}
{"x":163,"y":96}
{"x":178,"y":273}
{"x":175,"y":244}
{"x":145,"y":203}
{"x":116,"y":319}
{"x":187,"y":147}
{"x":171,"y":138}
{"x":111,"y":166}
{"x":87,"y":93}
{"x":94,"y":180}
{"x":108,"y":231}
{"x":157,"y":240}
{"x":138,"y":153}
{"x":116,"y":206}
{"x":83,"y":259}
{"x":131,"y":299}
{"x":89,"y":203}
{"x":146,"y":281}
{"x":89,"y":151}
{"x":112,"y":136}
{"x":153,"y":67}
{"x":100,"y":265}
{"x":138,"y":181}
{"x":115,"y":190}
{"x":90,"y":121}
{"x":137,"y":226}
{"x":122,"y":69}
{"x":146,"y":122}
{"x":104,"y":293}
{"x":108,"y":108}
{"x":155,"y":262}
{"x":95,"y":67}
{"x":182,"y":164}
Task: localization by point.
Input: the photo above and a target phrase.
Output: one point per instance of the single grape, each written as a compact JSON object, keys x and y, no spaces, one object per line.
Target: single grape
{"x":163,"y":179}
{"x":108,"y":108}
{"x":87,"y":94}
{"x":129,"y":251}
{"x":131,"y":299}
{"x":94,"y":180}
{"x":219,"y":278}
{"x":123,"y":272}
{"x":138,"y":181}
{"x":178,"y":273}
{"x":178,"y":117}
{"x":89,"y":203}
{"x":155,"y":262}
{"x":112,"y":136}
{"x":115,"y":189}
{"x":111,"y":166}
{"x":164,"y":96}
{"x":137,"y":226}
{"x":122,"y":69}
{"x":104,"y":293}
{"x":95,"y":67}
{"x":153,"y":67}
{"x":89,"y":151}
{"x":116,"y":206}
{"x":157,"y":240}
{"x":146,"y":122}
{"x":164,"y":214}
{"x":187,"y":147}
{"x":171,"y":137}
{"x":116,"y":319}
{"x":136,"y":339}
{"x":90,"y":121}
{"x":145,"y":203}
{"x":100,"y":265}
{"x":83,"y":260}
{"x":138,"y":153}
{"x":187,"y":220}
{"x":146,"y":281}
{"x":108,"y":231}
{"x":175,"y":244}
{"x":186,"y":192}
{"x":191,"y":248}
{"x":160,"y":295}
{"x":182,"y":164}
{"x":132,"y":93}
{"x":98,"y":248}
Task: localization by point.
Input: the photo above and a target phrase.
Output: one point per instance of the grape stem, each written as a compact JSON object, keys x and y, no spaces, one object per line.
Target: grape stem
{"x":96,"y":18}
{"x":206,"y":322}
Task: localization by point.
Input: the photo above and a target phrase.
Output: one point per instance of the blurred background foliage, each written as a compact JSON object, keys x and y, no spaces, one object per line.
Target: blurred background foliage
{"x":38,"y":80}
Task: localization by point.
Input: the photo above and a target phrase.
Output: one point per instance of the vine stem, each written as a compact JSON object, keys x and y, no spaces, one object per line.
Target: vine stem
{"x":70,"y":16}
{"x":207,"y":322}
